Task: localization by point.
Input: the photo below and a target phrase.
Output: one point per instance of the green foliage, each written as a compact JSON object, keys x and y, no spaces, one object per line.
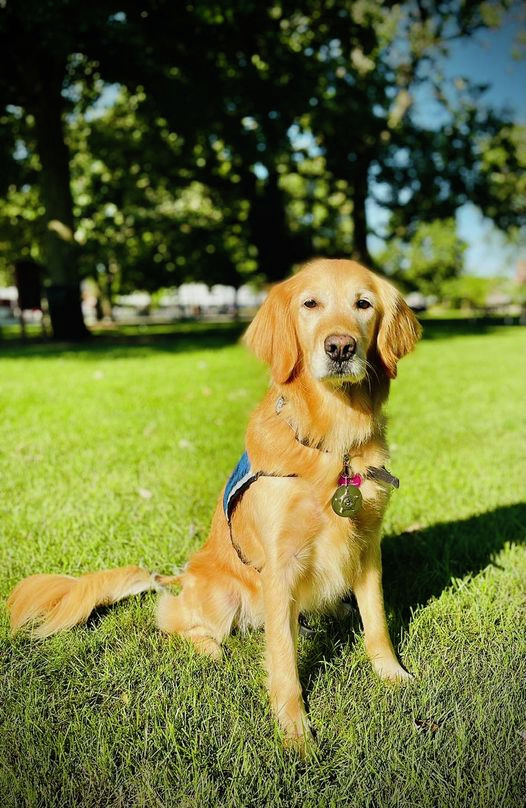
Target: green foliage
{"x":503,"y":159}
{"x":468,"y":290}
{"x":143,"y":220}
{"x":21,"y":211}
{"x":432,"y":257}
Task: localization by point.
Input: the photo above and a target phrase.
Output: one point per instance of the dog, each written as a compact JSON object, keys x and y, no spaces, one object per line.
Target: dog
{"x":298,"y":524}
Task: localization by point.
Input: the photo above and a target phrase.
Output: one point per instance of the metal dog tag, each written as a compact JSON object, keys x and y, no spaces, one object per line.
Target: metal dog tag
{"x":347,"y":500}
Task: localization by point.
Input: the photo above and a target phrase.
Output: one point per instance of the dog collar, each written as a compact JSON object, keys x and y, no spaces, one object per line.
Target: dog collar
{"x":347,"y":478}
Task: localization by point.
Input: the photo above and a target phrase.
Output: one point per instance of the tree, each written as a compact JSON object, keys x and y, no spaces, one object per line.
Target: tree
{"x":469,"y":290}
{"x":315,"y":104}
{"x":21,"y":229}
{"x":144,"y":220}
{"x":433,"y":257}
{"x":36,"y":42}
{"x":245,"y":137}
{"x":47,"y":51}
{"x":502,"y":187}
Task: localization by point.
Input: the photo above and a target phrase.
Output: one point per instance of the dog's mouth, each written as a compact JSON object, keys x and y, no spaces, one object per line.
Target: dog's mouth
{"x":352,"y":370}
{"x":334,"y":373}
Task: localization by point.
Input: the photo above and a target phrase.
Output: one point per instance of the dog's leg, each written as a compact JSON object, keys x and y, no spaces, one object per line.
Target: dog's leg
{"x":368,"y":591}
{"x":287,"y":536}
{"x":203,"y":612}
{"x":215,"y":592}
{"x":281,"y":633}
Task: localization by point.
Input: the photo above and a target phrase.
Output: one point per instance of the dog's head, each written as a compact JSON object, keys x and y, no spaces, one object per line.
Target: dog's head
{"x":334,"y":319}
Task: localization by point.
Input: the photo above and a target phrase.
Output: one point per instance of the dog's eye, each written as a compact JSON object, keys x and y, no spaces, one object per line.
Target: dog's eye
{"x":310,"y":304}
{"x":363,"y":304}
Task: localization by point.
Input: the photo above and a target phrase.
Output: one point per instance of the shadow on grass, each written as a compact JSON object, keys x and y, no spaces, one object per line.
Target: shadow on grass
{"x":417,"y":567}
{"x":451,"y":328}
{"x":420,"y":565}
{"x":131,"y":342}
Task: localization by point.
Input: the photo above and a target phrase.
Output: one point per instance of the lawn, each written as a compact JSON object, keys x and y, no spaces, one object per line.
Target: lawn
{"x":115,"y":453}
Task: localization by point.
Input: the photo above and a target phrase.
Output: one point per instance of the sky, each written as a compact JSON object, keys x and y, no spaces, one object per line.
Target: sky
{"x":488,"y":59}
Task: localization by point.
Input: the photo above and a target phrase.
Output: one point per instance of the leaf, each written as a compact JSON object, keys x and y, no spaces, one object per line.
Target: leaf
{"x":185,"y":444}
{"x":414,"y":527}
{"x":427,"y":725}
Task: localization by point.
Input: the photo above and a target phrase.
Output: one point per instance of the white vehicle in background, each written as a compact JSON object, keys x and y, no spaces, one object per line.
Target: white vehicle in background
{"x":8,"y":305}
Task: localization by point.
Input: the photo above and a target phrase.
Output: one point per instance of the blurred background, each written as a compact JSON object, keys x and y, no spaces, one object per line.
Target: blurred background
{"x":165,"y":160}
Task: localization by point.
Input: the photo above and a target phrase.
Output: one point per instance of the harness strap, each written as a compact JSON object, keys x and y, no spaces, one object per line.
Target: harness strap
{"x":239,"y":481}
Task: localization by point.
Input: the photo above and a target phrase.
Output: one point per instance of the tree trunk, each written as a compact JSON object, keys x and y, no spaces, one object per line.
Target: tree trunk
{"x":359,"y":197}
{"x":60,"y":249}
{"x":278,"y":248}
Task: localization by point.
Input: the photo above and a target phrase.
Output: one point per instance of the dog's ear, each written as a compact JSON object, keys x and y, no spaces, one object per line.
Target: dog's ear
{"x":399,"y":330}
{"x":272,"y":334}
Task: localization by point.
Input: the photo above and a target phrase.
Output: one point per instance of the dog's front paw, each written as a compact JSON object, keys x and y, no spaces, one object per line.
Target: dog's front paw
{"x":292,"y":718}
{"x":390,"y":670}
{"x":302,"y":743}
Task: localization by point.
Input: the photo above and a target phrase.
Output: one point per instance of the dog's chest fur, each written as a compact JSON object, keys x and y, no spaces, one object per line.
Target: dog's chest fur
{"x":337,"y":549}
{"x":331,"y":558}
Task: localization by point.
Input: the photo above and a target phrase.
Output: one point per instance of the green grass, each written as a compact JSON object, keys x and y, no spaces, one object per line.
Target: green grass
{"x":114,"y":454}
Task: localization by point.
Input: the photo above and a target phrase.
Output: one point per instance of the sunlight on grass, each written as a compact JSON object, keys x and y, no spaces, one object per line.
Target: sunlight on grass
{"x":113,"y":455}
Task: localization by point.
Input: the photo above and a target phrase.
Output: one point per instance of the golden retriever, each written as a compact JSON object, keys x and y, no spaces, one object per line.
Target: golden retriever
{"x":299,"y":523}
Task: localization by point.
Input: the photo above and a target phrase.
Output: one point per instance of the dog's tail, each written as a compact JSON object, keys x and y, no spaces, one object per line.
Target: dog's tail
{"x":46,"y":604}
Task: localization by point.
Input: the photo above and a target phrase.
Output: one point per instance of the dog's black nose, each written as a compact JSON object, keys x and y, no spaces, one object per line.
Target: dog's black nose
{"x":340,"y":347}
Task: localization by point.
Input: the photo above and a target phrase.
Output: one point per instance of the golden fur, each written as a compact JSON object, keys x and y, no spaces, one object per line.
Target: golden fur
{"x":299,"y":555}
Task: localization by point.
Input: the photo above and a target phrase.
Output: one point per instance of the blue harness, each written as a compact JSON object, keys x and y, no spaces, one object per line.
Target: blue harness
{"x":241,"y":478}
